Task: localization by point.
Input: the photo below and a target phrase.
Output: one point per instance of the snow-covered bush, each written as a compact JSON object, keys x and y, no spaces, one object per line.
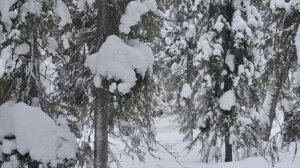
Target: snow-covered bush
{"x":28,"y":131}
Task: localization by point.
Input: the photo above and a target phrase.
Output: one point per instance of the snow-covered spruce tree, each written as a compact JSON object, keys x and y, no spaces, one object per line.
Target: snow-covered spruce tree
{"x":181,"y":30}
{"x":29,"y":31}
{"x":29,"y":45}
{"x":117,"y":68}
{"x":217,"y":57}
{"x":275,"y":76}
{"x":283,"y":88}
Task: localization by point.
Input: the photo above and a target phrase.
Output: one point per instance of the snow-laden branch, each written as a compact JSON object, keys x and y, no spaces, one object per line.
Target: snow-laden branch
{"x":120,"y":61}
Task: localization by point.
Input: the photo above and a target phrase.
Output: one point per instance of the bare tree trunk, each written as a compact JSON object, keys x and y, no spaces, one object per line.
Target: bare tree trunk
{"x":101,"y":125}
{"x":228,"y":148}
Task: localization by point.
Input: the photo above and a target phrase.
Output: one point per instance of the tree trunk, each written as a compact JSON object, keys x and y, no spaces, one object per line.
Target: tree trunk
{"x":106,"y":25}
{"x":281,"y":79}
{"x":228,"y":148}
{"x":101,"y":125}
{"x":272,"y":113}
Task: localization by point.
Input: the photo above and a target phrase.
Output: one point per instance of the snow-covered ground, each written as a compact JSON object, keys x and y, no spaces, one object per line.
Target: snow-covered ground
{"x":168,"y":133}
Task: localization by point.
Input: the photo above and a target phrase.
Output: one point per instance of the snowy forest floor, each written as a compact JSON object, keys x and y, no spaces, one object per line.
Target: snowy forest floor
{"x":167,"y":133}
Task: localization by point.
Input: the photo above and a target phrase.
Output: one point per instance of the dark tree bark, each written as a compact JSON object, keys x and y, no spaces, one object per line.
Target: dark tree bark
{"x":227,"y":10}
{"x":107,"y":21}
{"x":228,"y":148}
{"x":101,"y":126}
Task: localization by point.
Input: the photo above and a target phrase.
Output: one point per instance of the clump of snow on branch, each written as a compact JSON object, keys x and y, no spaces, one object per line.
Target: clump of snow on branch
{"x":219,"y":25}
{"x":229,"y":60}
{"x":133,"y":13}
{"x":65,"y":40}
{"x":243,"y":27}
{"x":33,"y":7}
{"x":120,"y":61}
{"x":283,"y":5}
{"x":5,"y":14}
{"x":35,"y":134}
{"x":61,"y":10}
{"x":22,"y":49}
{"x":9,"y":61}
{"x":227,"y":100}
{"x":186,"y":91}
{"x":52,"y":45}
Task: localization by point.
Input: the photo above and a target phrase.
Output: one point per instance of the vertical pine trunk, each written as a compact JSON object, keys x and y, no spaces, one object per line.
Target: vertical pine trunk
{"x":228,"y":148}
{"x":272,"y":113}
{"x":280,"y":80}
{"x":228,"y":47}
{"x":106,"y":25}
{"x":101,"y":125}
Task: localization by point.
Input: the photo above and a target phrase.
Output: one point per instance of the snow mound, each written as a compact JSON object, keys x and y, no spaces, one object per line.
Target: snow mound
{"x":120,"y":61}
{"x":35,"y":133}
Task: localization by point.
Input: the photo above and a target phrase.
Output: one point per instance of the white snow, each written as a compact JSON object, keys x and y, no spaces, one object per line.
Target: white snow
{"x":191,"y":31}
{"x":52,"y":45}
{"x":204,"y":47}
{"x":82,"y":4}
{"x":35,"y":133}
{"x":297,"y":43}
{"x":186,"y":91}
{"x":12,"y":163}
{"x":151,"y":4}
{"x":278,"y":4}
{"x":31,"y":6}
{"x":8,"y":61}
{"x":208,"y":80}
{"x":296,"y":76}
{"x":134,"y":11}
{"x":113,"y":87}
{"x":22,"y":49}
{"x":287,"y":105}
{"x":167,"y":134}
{"x":8,"y":146}
{"x":1,"y":34}
{"x":120,"y":61}
{"x":289,"y":6}
{"x":227,"y":100}
{"x":62,"y":11}
{"x":239,"y":24}
{"x":267,"y":104}
{"x":97,"y":81}
{"x":229,"y":61}
{"x":4,"y":10}
{"x":65,"y":40}
{"x":219,"y":25}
